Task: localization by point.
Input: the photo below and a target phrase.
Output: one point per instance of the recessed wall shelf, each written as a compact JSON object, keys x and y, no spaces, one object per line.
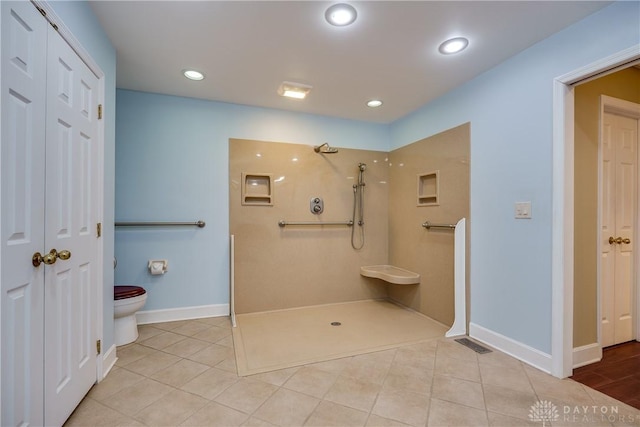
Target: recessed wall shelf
{"x":257,"y":189}
{"x":428,"y":188}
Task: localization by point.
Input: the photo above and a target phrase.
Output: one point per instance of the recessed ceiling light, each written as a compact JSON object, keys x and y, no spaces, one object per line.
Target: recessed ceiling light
{"x":374,"y":103}
{"x":341,"y":14}
{"x":454,"y":45}
{"x":193,"y":74}
{"x":294,"y":90}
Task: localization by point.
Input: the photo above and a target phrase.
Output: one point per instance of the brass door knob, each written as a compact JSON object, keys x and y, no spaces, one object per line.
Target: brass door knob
{"x":64,"y":255}
{"x":49,"y":258}
{"x":36,"y":259}
{"x":625,"y":241}
{"x":619,"y":240}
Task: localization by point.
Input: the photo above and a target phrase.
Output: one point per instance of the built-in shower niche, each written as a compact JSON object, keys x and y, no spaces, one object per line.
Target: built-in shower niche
{"x":428,"y":189}
{"x":257,"y":189}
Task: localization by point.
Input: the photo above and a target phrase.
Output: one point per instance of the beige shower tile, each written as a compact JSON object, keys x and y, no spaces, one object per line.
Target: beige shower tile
{"x":354,"y":393}
{"x":210,"y":383}
{"x":443,"y":413}
{"x":153,"y":363}
{"x":163,"y":340}
{"x":246,"y":395}
{"x":115,"y":381}
{"x":186,"y":347}
{"x":459,"y":368}
{"x":172,"y":409}
{"x":508,"y":375}
{"x":278,"y":377}
{"x":311,"y":381}
{"x":132,"y":399}
{"x":180,"y":373}
{"x":455,"y":390}
{"x":131,"y":352}
{"x":211,"y":354}
{"x":376,"y":421}
{"x":287,"y":408}
{"x":509,"y":402}
{"x":408,"y":377}
{"x":212,"y":333}
{"x":190,"y":328}
{"x":406,"y":407}
{"x":215,"y":414}
{"x":331,"y":414}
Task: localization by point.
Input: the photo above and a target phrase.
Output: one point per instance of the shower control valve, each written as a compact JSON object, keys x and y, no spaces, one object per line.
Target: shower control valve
{"x":316,"y":205}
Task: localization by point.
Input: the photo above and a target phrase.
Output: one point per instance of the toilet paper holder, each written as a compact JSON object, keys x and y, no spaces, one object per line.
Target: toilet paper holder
{"x":157,"y":266}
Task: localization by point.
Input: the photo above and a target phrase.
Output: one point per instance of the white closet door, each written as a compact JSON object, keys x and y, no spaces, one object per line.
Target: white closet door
{"x":23,"y":76}
{"x":71,"y":285}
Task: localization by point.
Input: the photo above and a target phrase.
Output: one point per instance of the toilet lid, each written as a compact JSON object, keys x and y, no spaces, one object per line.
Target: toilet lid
{"x":122,"y":292}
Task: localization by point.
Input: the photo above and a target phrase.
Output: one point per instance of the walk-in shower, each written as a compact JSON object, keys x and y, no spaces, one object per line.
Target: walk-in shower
{"x":357,"y":242}
{"x":325,"y":149}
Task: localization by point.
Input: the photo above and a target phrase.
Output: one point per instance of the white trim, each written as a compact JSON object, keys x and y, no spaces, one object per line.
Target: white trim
{"x":459,"y":326}
{"x":562,"y":199}
{"x":520,"y":351}
{"x":183,"y":313}
{"x":108,"y":361}
{"x":586,"y":355}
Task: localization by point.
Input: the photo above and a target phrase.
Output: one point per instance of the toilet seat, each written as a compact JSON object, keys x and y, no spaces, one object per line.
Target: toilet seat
{"x":124,"y":292}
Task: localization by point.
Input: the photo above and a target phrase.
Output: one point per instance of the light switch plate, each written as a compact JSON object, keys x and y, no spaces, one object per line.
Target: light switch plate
{"x":523,"y":210}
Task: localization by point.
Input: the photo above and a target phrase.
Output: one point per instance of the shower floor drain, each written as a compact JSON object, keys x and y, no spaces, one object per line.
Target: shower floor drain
{"x":336,"y":323}
{"x":472,"y":345}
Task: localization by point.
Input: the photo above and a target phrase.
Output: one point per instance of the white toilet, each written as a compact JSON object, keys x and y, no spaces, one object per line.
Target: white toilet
{"x":127,"y":301}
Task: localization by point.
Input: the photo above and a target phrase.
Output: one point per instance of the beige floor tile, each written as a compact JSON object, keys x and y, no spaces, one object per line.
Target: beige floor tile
{"x":311,"y":381}
{"x":163,"y":340}
{"x":169,"y":326}
{"x":409,"y":377}
{"x":210,"y":383}
{"x":451,"y":349}
{"x":566,"y":390}
{"x":376,"y":421}
{"x":499,"y":420}
{"x":246,"y":395}
{"x":215,"y":414}
{"x":147,"y":331}
{"x":406,"y":407}
{"x":455,"y":390}
{"x":225,"y":342}
{"x":623,"y":409}
{"x":229,"y":365}
{"x":190,"y":328}
{"x":213,"y":334}
{"x":92,"y":413}
{"x":277,"y":378}
{"x":371,"y":368}
{"x":256,"y":422}
{"x":153,"y":363}
{"x":354,"y":393}
{"x":172,"y":409}
{"x":221,"y":321}
{"x":115,"y":381}
{"x":509,"y":376}
{"x":335,"y":366}
{"x":498,"y":358}
{"x":186,"y":347}
{"x":287,"y":408}
{"x":509,"y":402}
{"x":331,"y":414}
{"x":459,"y":368}
{"x":410,"y":356}
{"x":135,"y":398}
{"x":443,"y":413}
{"x":180,"y":373}
{"x":131,"y":352}
{"x":211,"y":355}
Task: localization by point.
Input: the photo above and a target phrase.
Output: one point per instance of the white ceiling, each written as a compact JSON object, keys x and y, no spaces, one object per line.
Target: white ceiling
{"x":246,"y":49}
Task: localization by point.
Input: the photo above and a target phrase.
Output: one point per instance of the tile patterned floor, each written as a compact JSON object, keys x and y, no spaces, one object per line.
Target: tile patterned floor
{"x":184,"y":374}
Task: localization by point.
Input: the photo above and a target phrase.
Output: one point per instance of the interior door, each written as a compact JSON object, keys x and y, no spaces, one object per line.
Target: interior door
{"x":619,"y":218}
{"x":23,"y":82}
{"x":49,"y":155}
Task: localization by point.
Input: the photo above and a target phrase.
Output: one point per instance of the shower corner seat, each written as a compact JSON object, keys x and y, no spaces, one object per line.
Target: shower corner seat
{"x":391,"y":274}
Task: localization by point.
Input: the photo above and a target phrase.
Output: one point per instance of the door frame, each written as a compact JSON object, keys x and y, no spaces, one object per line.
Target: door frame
{"x":609,"y":104}
{"x":562,"y":226}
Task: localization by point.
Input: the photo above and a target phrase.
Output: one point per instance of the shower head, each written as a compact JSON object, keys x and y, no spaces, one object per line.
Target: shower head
{"x":362,"y":166}
{"x":325,"y":149}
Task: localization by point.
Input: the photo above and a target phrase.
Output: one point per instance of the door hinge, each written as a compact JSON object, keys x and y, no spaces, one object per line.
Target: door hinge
{"x":99,"y":111}
{"x":99,"y":229}
{"x":99,"y":346}
{"x":42,"y":11}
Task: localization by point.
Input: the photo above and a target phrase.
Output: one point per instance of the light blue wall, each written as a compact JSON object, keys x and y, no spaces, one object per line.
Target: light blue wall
{"x":83,"y":24}
{"x":172,"y":165}
{"x":510,"y":110}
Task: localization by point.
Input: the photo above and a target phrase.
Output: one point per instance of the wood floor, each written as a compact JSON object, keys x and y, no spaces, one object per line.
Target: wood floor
{"x":616,"y":375}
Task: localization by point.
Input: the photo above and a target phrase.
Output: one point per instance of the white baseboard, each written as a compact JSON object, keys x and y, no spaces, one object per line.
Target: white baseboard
{"x":586,"y":355}
{"x":108,"y":361}
{"x":520,"y":351}
{"x":183,"y":313}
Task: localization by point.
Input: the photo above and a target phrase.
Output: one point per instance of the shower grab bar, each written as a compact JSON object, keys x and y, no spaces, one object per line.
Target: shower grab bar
{"x":429,"y":225}
{"x":283,"y":223}
{"x":199,"y":224}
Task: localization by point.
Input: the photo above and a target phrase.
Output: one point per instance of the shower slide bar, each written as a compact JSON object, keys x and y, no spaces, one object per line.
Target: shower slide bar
{"x":429,"y":225}
{"x":199,"y":224}
{"x":283,"y":223}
